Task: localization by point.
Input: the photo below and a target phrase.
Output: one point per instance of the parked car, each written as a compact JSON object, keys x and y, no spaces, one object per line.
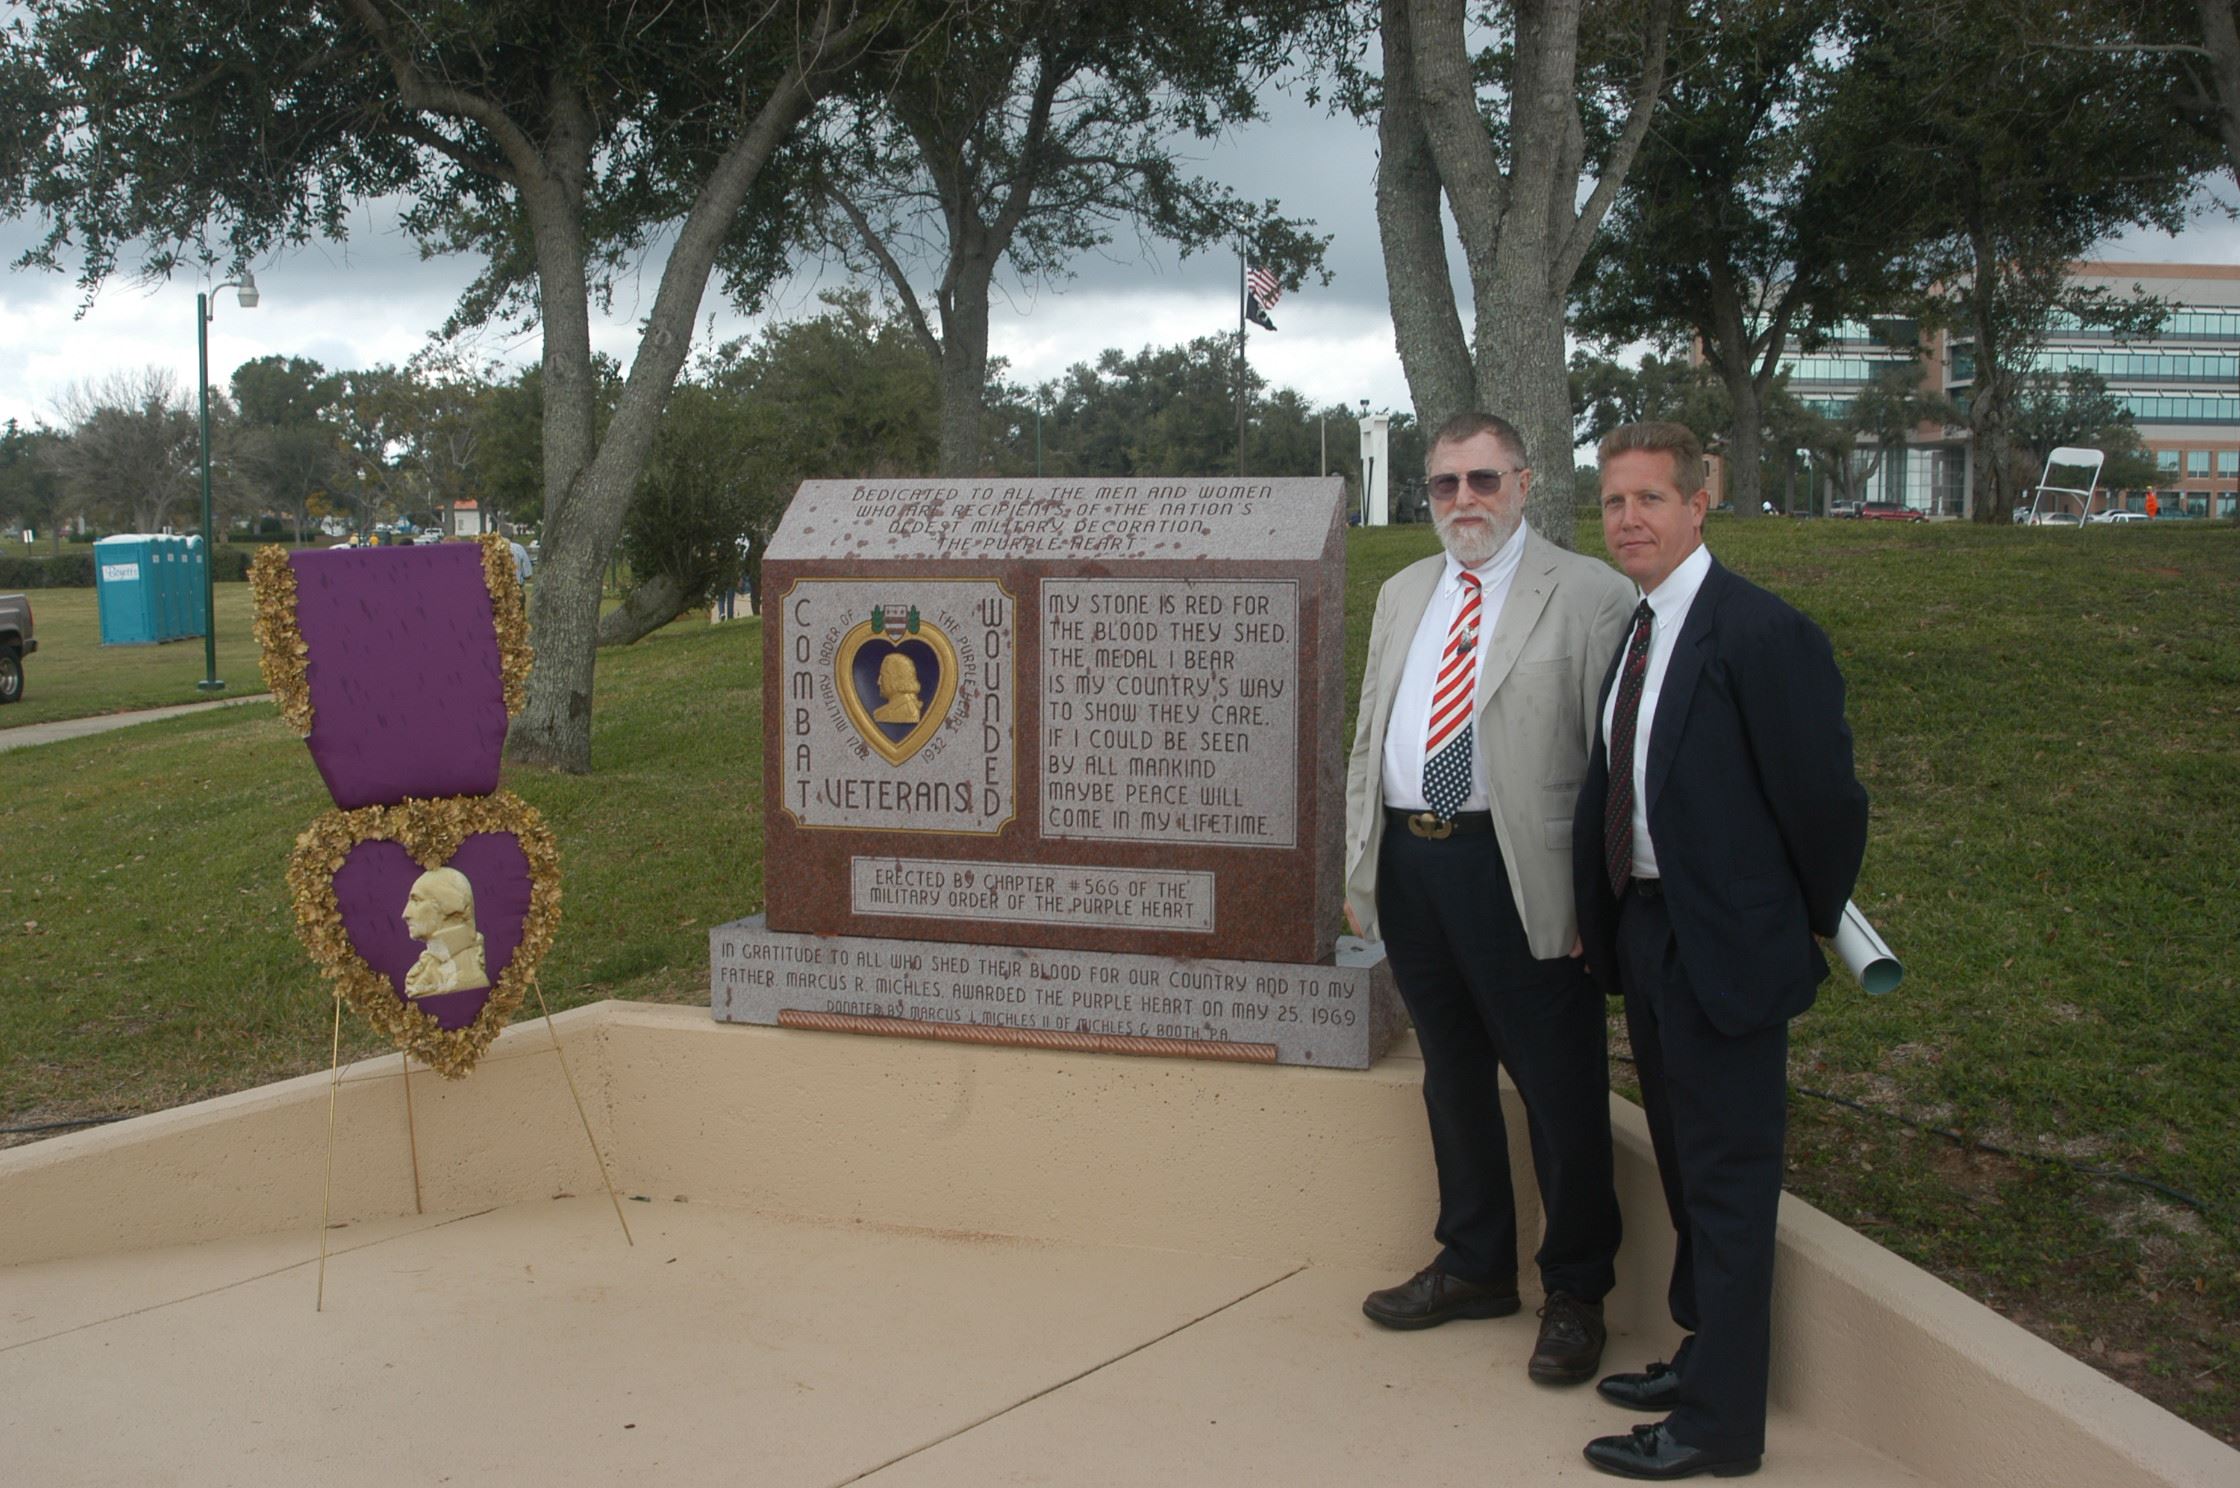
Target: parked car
{"x":16,"y":642}
{"x":2056,"y":519}
{"x":427,"y":539}
{"x":2119,"y":516}
{"x":1844,"y":508}
{"x":1891,"y":511}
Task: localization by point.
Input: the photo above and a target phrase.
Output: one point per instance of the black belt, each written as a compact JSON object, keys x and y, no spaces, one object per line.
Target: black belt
{"x":1647,"y":888}
{"x":1429,"y":824}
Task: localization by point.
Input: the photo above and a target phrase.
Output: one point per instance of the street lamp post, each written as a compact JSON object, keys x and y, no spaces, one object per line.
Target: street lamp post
{"x":245,"y":289}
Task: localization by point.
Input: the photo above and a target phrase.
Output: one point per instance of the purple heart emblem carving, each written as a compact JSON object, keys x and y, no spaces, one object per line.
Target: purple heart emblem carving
{"x":370,"y":890}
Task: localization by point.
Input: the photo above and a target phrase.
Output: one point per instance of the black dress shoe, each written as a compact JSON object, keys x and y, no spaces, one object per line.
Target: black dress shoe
{"x":1650,"y":1452}
{"x":1570,"y":1346}
{"x":1656,"y":1388}
{"x":1431,"y":1297}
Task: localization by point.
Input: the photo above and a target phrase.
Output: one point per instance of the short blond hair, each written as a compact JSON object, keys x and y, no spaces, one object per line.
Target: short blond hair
{"x":1658,"y":437}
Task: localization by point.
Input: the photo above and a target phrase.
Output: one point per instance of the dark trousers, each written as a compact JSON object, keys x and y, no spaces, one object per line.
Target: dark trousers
{"x":1718,"y":1113}
{"x":1480,"y":999}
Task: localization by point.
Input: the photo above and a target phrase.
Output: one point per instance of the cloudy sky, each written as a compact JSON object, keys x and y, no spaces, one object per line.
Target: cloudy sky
{"x":373,"y":300}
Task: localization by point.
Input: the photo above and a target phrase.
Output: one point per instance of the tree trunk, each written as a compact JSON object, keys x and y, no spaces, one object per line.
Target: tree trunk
{"x":2220,"y":36}
{"x":1425,"y":326}
{"x":588,"y":483}
{"x":964,"y":363}
{"x":1988,"y":402}
{"x":554,"y":726}
{"x":1746,"y":450}
{"x":1524,"y":232}
{"x":1521,"y":376}
{"x":1737,"y":361}
{"x":647,"y":608}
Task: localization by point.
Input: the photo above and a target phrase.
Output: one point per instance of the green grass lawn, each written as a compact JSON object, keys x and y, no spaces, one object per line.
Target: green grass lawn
{"x":72,"y":675}
{"x":2046,"y":720}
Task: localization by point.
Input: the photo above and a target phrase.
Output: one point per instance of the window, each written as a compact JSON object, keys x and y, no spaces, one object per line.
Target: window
{"x":2197,"y":462}
{"x":2213,"y":368}
{"x":1840,"y":368}
{"x":2166,"y":461}
{"x":2185,"y":323}
{"x":2182,"y":408}
{"x":2228,"y":462}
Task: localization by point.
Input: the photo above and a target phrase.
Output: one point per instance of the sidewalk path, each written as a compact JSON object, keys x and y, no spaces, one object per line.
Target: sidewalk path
{"x":25,"y":735}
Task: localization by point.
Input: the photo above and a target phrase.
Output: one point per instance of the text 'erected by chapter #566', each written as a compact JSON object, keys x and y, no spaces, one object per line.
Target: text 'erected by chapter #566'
{"x":1033,"y":893}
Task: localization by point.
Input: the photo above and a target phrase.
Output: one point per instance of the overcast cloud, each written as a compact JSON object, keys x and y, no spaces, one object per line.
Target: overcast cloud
{"x":373,"y":300}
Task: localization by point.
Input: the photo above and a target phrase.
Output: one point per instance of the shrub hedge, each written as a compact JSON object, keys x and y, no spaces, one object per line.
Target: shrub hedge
{"x":75,"y":570}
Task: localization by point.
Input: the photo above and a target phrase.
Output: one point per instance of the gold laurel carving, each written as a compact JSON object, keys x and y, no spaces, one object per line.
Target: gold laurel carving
{"x":430,"y":831}
{"x":281,"y":653}
{"x":507,"y":614}
{"x":1029,"y":1038}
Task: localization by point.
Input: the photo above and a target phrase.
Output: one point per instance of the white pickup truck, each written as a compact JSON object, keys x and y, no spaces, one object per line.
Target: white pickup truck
{"x":16,"y":642}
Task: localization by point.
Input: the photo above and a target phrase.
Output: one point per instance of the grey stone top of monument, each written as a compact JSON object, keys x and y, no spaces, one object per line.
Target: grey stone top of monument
{"x":1265,"y":519}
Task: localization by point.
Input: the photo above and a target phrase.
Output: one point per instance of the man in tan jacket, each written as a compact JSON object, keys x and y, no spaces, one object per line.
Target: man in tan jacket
{"x":1477,"y":712}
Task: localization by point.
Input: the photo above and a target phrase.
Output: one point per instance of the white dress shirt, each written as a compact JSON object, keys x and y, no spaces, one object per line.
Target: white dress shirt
{"x":1410,"y":726}
{"x":1668,"y":604}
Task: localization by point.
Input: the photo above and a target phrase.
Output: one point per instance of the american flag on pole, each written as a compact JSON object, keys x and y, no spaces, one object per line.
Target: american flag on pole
{"x":1262,"y":294}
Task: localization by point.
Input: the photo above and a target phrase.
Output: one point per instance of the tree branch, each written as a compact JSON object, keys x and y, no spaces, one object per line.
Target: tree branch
{"x":891,"y":268}
{"x":1581,"y":237}
{"x":418,"y":91}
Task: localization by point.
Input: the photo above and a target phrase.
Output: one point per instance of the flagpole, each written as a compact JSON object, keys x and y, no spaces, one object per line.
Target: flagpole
{"x":1241,"y":301}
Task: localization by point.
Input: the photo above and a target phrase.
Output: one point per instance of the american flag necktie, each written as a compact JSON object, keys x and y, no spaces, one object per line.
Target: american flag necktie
{"x":1617,"y":811}
{"x":1448,"y":744}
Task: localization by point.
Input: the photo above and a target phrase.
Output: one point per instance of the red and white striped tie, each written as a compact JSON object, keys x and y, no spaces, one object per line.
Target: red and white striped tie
{"x":1448,"y":744}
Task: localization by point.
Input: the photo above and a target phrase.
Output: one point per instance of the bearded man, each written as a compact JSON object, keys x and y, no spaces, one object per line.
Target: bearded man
{"x":1477,"y":713}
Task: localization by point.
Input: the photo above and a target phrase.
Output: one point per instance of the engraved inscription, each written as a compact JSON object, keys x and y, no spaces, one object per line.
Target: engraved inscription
{"x":1170,"y":710}
{"x":1045,"y":519}
{"x":899,"y":704}
{"x":1313,"y":1014}
{"x":1033,"y":893}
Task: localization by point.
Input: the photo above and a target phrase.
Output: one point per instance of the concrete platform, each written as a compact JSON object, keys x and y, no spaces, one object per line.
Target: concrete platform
{"x":528,"y":1344}
{"x":880,"y":1261}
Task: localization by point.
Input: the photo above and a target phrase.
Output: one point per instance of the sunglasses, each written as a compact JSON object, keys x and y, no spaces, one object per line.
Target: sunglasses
{"x":1482,"y":483}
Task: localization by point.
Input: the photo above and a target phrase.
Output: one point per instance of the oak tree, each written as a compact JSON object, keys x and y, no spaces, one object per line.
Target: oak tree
{"x":561,"y":143}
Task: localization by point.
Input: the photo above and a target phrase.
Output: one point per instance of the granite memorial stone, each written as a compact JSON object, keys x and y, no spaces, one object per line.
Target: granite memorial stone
{"x":1058,"y":757}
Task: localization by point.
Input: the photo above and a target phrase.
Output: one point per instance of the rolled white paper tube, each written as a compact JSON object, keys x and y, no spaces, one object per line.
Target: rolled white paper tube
{"x":1864,"y":955}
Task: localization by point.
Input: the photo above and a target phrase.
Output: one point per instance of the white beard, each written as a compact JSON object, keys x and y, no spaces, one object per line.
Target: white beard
{"x":1476,"y":543}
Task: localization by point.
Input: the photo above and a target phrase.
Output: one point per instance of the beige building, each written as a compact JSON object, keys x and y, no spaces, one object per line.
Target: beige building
{"x":2182,"y":388}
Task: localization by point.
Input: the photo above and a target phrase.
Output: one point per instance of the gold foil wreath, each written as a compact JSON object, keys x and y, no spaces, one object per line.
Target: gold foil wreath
{"x":431,"y":832}
{"x":285,"y":659}
{"x":515,"y":654}
{"x":281,"y":654}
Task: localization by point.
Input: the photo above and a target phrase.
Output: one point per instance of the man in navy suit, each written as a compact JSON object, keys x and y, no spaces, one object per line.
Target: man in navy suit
{"x":1719,"y":830}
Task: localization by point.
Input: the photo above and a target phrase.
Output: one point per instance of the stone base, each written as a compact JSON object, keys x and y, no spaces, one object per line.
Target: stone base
{"x":1342,"y":1015}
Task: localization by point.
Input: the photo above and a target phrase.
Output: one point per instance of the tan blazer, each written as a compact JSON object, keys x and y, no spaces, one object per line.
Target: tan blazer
{"x":1564,"y":619}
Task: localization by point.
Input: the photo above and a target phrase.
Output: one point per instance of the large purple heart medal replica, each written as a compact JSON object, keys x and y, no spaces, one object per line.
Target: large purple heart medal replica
{"x":429,"y":896}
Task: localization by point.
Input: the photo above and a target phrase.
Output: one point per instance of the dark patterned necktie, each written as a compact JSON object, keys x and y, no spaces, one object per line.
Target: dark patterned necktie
{"x":1452,"y":735}
{"x":1617,"y":810}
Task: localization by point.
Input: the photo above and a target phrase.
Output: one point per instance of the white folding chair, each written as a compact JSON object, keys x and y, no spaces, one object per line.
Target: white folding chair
{"x":2068,"y":458}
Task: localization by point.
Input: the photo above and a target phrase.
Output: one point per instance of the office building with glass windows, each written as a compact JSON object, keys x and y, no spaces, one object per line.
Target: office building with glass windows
{"x":2181,"y":386}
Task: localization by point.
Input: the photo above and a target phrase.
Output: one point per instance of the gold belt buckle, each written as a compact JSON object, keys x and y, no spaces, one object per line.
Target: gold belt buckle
{"x":1430,"y":824}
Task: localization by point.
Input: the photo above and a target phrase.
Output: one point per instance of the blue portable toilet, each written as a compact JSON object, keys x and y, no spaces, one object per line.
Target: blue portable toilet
{"x":178,"y":581}
{"x":125,"y":583}
{"x":164,"y":555}
{"x":197,"y":560}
